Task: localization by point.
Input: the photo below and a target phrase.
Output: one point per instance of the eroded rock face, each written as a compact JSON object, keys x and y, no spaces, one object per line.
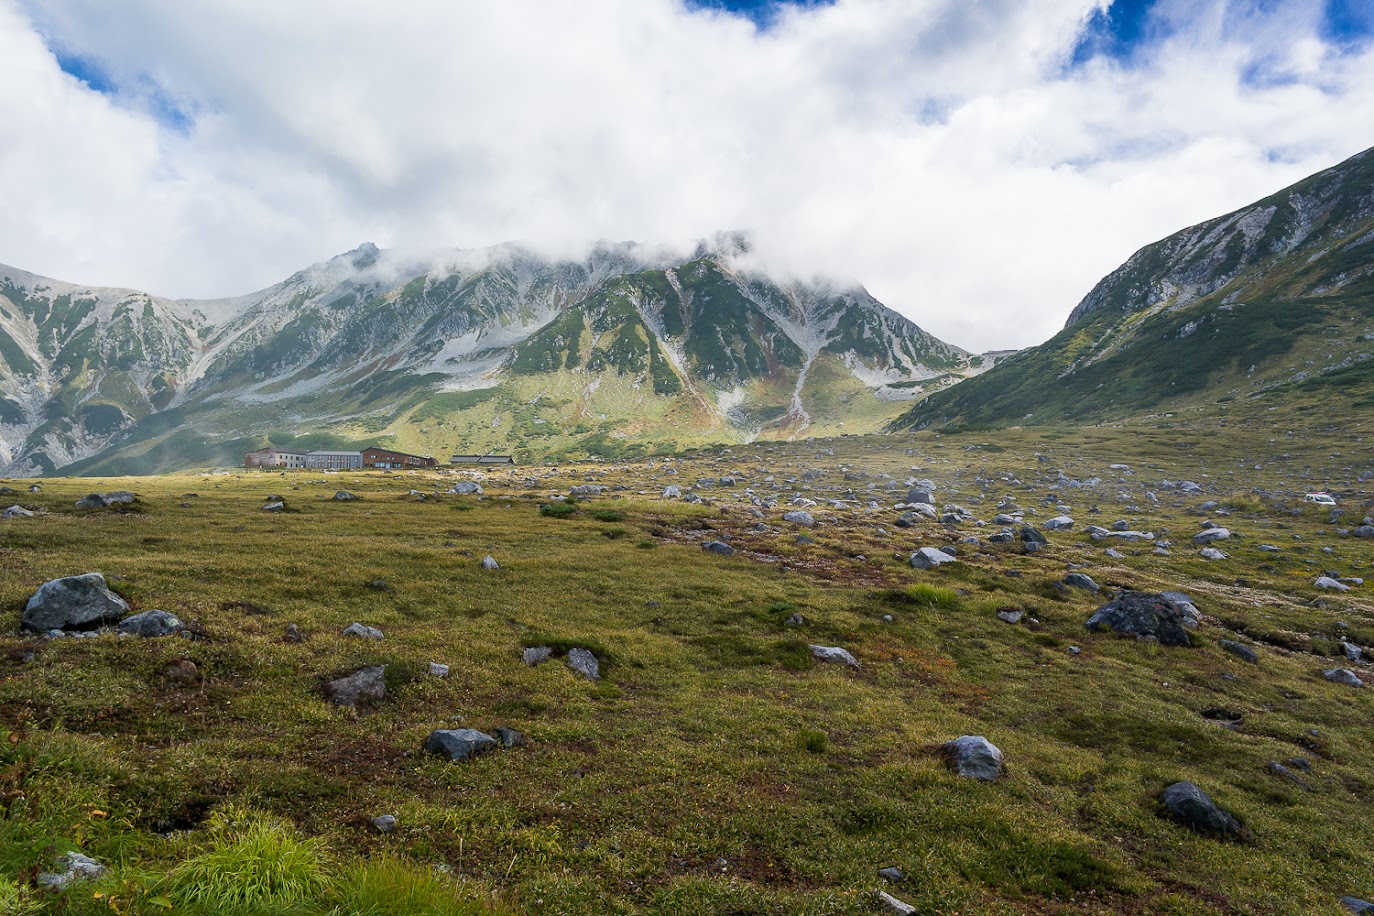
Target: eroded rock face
{"x":73,"y":603}
{"x":1194,"y":808}
{"x":1142,"y":615}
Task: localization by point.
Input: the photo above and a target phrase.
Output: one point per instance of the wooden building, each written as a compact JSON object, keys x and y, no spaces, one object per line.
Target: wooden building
{"x":382,"y":458}
{"x":274,"y":458}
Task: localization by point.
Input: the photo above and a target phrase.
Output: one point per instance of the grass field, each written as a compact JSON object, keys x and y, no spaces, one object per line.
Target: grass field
{"x":716,"y":767}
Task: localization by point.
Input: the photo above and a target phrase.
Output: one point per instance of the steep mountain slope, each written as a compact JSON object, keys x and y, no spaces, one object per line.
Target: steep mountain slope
{"x":500,"y":348}
{"x":1275,"y":298}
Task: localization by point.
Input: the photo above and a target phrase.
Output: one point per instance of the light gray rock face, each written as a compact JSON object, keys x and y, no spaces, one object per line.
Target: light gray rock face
{"x":974,"y":756}
{"x":1192,"y":617}
{"x":535,"y":655}
{"x":438,"y":670}
{"x":150,"y":624}
{"x":895,"y":906}
{"x":16,"y":512}
{"x":102,"y":500}
{"x":920,"y":495}
{"x":587,"y":489}
{"x":459,"y":743}
{"x":489,"y":562}
{"x":1343,"y":676}
{"x":929,"y":558}
{"x":1210,"y":535}
{"x":1194,"y":808}
{"x":362,"y":632}
{"x":1081,"y":580}
{"x":73,"y":867}
{"x":344,"y":496}
{"x":1059,"y":523}
{"x":1211,"y":553}
{"x":73,"y":603}
{"x":1328,"y":582}
{"x":834,"y":655}
{"x":584,"y":662}
{"x":719,"y":547}
{"x":466,"y":488}
{"x":364,"y":686}
{"x":799,"y":517}
{"x":276,"y":506}
{"x":672,"y":492}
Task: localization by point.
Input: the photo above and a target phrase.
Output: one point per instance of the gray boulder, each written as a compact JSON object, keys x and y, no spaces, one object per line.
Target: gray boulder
{"x":362,"y":632}
{"x":1193,"y":808}
{"x":1059,"y":523}
{"x":1357,"y":906}
{"x":1211,"y":553}
{"x":1241,"y":651}
{"x":834,"y":655}
{"x":535,"y":655}
{"x":385,"y":823}
{"x":584,"y":662}
{"x":1081,"y":580}
{"x":587,"y":489}
{"x":277,"y":506}
{"x":920,"y":495}
{"x":364,"y":686}
{"x":1363,"y":531}
{"x":16,"y":512}
{"x":150,"y":624}
{"x":719,"y":547}
{"x":508,"y":737}
{"x":929,"y":558}
{"x":799,"y":517}
{"x":1142,"y":615}
{"x":1343,"y":676}
{"x":1031,"y":535}
{"x":1210,"y":535}
{"x":1328,"y":582}
{"x":466,"y":488}
{"x":1192,"y":617}
{"x":489,"y":562}
{"x":344,"y":496}
{"x":894,"y":906}
{"x":438,"y":670}
{"x":672,"y":492}
{"x":974,"y":756}
{"x":73,"y":603}
{"x":459,"y":743}
{"x":73,"y":867}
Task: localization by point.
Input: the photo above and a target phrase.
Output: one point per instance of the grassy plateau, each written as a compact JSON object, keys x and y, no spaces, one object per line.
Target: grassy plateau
{"x":716,"y":767}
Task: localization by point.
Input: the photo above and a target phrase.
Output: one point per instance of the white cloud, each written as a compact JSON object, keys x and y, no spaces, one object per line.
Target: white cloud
{"x":936,"y":150}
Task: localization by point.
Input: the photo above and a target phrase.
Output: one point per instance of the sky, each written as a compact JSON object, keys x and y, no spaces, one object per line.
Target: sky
{"x":978,"y":165}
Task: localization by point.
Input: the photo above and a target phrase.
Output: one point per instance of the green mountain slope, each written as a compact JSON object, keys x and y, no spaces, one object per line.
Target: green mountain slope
{"x":1272,"y":303}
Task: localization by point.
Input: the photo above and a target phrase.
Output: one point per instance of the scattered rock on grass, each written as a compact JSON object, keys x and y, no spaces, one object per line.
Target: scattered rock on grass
{"x":1211,"y":553}
{"x":385,"y":823}
{"x":894,"y":905}
{"x":1193,"y":808}
{"x":1079,"y":580}
{"x":1241,"y":651}
{"x":466,"y":488}
{"x":1357,"y":906}
{"x":974,"y":756}
{"x":438,"y":670}
{"x":719,"y":547}
{"x":16,"y":512}
{"x":489,"y":562}
{"x":364,"y":686}
{"x":834,"y":654}
{"x":891,"y":873}
{"x":150,"y":624}
{"x":344,"y":496}
{"x":1343,"y":676}
{"x":459,"y":743}
{"x":536,"y":654}
{"x":584,"y":662}
{"x":74,"y":602}
{"x":1328,"y":582}
{"x":362,"y":632}
{"x":74,"y":867}
{"x":929,"y":558}
{"x":1059,"y":523}
{"x":1142,"y":615}
{"x":800,"y":517}
{"x":508,"y":737}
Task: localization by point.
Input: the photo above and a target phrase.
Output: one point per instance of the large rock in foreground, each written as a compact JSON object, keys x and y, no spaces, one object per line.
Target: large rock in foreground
{"x":1194,"y":808}
{"x":74,"y":603}
{"x":1143,"y":615}
{"x":974,"y":756}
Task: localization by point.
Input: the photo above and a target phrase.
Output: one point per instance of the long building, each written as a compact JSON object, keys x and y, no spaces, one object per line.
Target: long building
{"x":482,"y":459}
{"x":383,"y":458}
{"x":333,"y":461}
{"x":274,"y":458}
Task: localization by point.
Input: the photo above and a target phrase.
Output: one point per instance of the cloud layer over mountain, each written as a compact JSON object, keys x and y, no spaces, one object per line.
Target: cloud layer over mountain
{"x":978,"y":165}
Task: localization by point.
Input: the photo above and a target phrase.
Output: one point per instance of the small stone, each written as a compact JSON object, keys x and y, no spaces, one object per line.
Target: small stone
{"x":584,"y":662}
{"x":362,"y":632}
{"x":891,"y":873}
{"x":489,"y":562}
{"x":1328,"y":582}
{"x":181,"y":671}
{"x":1241,"y":651}
{"x":460,"y":743}
{"x":834,"y":655}
{"x":800,"y":517}
{"x":895,"y":906}
{"x":534,"y":655}
{"x":438,"y":670}
{"x":974,"y":756}
{"x":74,"y":867}
{"x":1010,"y":616}
{"x":719,"y":547}
{"x":150,"y":624}
{"x":1059,"y":523}
{"x":344,"y":496}
{"x":1079,"y":580}
{"x":795,"y":620}
{"x":929,"y":558}
{"x":293,"y":633}
{"x":1211,"y":553}
{"x":508,"y":737}
{"x":385,"y":823}
{"x":363,"y":687}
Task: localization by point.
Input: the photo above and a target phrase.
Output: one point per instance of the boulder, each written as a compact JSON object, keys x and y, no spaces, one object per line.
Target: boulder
{"x":150,"y":624}
{"x":1142,"y":615}
{"x":73,"y":603}
{"x":16,"y":512}
{"x":508,"y":737}
{"x":344,"y":496}
{"x":929,"y":558}
{"x":535,"y":655}
{"x":834,"y":655}
{"x":672,"y":492}
{"x":1031,"y":535}
{"x":466,"y":488}
{"x":719,"y":547}
{"x":920,"y":495}
{"x":362,"y":632}
{"x":587,"y":489}
{"x":277,"y":506}
{"x":584,"y":662}
{"x":1059,"y":523}
{"x":1328,"y":582}
{"x":799,"y":517}
{"x":1363,"y":531}
{"x":1357,"y":906}
{"x":1343,"y":676}
{"x":1210,"y":535}
{"x":364,"y":686}
{"x":459,"y":743}
{"x":489,"y":562}
{"x":1211,"y":553}
{"x":1193,"y":808}
{"x":974,"y":756}
{"x":1192,"y":617}
{"x":1081,"y":580}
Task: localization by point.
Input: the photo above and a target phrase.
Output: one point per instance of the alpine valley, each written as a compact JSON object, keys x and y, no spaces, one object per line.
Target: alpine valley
{"x":625,"y":350}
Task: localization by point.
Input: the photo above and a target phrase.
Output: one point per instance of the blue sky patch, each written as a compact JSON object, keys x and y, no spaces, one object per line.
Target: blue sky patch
{"x":1117,"y":33}
{"x":146,"y":93}
{"x":760,"y":12}
{"x":1348,"y":22}
{"x":86,"y":70}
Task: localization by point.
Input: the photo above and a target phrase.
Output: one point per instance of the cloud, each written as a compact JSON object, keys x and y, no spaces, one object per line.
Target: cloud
{"x":978,"y":164}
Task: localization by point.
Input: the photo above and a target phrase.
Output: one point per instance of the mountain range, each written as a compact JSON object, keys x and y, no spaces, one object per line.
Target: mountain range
{"x":625,"y":349}
{"x":1269,"y":306}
